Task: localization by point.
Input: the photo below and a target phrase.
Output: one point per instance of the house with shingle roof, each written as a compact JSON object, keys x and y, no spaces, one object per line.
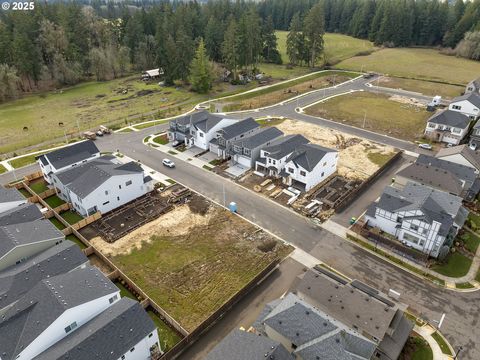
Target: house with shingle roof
{"x":21,"y":214}
{"x":102,"y":185}
{"x":474,"y":140}
{"x":67,"y":157}
{"x":448,"y":126}
{"x":468,"y":104}
{"x":462,"y":155}
{"x":308,"y":166}
{"x":197,"y":129}
{"x":10,"y":198}
{"x":473,"y":86}
{"x":419,"y":216}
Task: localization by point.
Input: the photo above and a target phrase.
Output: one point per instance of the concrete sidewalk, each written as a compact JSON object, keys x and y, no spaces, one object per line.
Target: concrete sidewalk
{"x":426,"y":332}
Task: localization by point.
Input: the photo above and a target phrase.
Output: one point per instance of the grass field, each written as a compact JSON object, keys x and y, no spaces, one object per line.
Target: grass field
{"x":38,"y":186}
{"x":57,"y":223}
{"x":23,"y":161}
{"x":337,"y":47}
{"x":381,"y":113}
{"x":168,"y":337}
{"x":192,"y":270}
{"x":162,"y":140}
{"x":73,"y":238}
{"x":425,"y":64}
{"x":2,"y":169}
{"x":71,"y":217}
{"x":418,"y":349}
{"x":443,"y":345}
{"x":471,"y":241}
{"x":456,"y":265}
{"x":421,"y":86}
{"x":54,"y":201}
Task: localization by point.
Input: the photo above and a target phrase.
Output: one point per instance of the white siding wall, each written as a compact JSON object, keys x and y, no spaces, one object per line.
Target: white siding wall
{"x":141,"y":351}
{"x":466,"y":108}
{"x":10,"y":205}
{"x":109,"y":195}
{"x":46,"y":169}
{"x":203,"y":142}
{"x":326,"y":167}
{"x":458,"y":159}
{"x":56,"y":331}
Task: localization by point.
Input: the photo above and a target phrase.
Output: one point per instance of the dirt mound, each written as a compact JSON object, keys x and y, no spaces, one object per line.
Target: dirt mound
{"x":198,"y":205}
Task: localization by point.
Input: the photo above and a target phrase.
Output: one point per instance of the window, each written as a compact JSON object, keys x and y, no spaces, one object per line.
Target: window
{"x":132,"y":349}
{"x":456,"y":107}
{"x":414,"y":227}
{"x":325,"y":163}
{"x":431,"y":125}
{"x":118,"y":198}
{"x":113,"y":298}
{"x":71,"y":327}
{"x":303,"y":173}
{"x":201,"y":134}
{"x":150,"y":335}
{"x":119,"y":186}
{"x":106,"y":203}
{"x":106,"y":192}
{"x":128,"y":183}
{"x":123,"y":357}
{"x":410,"y":238}
{"x":323,"y":174}
{"x":291,"y":171}
{"x":246,"y":152}
{"x":456,"y":131}
{"x":274,"y":162}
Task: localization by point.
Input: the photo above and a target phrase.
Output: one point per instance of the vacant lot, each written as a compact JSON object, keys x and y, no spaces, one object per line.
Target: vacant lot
{"x":421,"y":86}
{"x":393,"y":116}
{"x":425,"y":64}
{"x":337,"y":47}
{"x":358,"y":158}
{"x":281,"y":92}
{"x":192,"y":260}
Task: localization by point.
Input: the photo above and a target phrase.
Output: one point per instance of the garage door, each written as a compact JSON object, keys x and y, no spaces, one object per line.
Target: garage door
{"x":243,"y":161}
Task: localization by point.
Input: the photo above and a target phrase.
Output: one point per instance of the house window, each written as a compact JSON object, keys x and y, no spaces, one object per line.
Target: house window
{"x":150,"y":335}
{"x":132,"y":349}
{"x":414,"y":227}
{"x":246,"y":152}
{"x":123,"y":357}
{"x":119,"y":186}
{"x":323,"y":174}
{"x":456,"y":107}
{"x":128,"y":183}
{"x":71,"y":327}
{"x":274,"y":162}
{"x":113,"y":298}
{"x":456,"y":131}
{"x":106,"y":203}
{"x":325,"y":163}
{"x":290,"y":170}
{"x":432,"y":126}
{"x":303,"y":173}
{"x":118,"y":198}
{"x":410,"y":238}
{"x":201,"y":134}
{"x":106,"y":192}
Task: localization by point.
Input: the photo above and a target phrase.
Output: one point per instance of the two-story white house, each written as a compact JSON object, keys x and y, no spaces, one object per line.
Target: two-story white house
{"x":473,"y":86}
{"x":247,"y":150}
{"x":308,"y":166}
{"x":10,"y":198}
{"x":102,"y":185}
{"x":197,"y":129}
{"x":67,"y":157}
{"x":222,"y":142}
{"x":448,"y":126}
{"x":468,"y":104}
{"x":419,"y":216}
{"x":274,"y":157}
{"x":461,"y":154}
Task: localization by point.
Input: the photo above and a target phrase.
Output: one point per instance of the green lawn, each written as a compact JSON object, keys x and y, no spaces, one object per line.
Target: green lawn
{"x":162,"y":140}
{"x":167,"y":336}
{"x":421,"y":86}
{"x":25,"y":192}
{"x":38,"y":186}
{"x":471,"y":241}
{"x":379,"y":158}
{"x":421,"y":349}
{"x":124,"y":292}
{"x":71,"y":217}
{"x":54,"y":201}
{"x":270,"y":122}
{"x":338,"y":47}
{"x":416,"y":63}
{"x":456,"y":265}
{"x":473,"y":221}
{"x":478,"y":276}
{"x":377,"y":112}
{"x":443,"y":345}
{"x":76,"y":240}
{"x":57,"y":223}
{"x":2,"y":169}
{"x":23,"y":161}
{"x":148,"y":125}
{"x":465,"y":285}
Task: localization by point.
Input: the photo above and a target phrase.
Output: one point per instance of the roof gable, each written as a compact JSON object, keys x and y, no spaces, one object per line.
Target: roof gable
{"x":450,"y":118}
{"x":238,"y":128}
{"x":308,"y":156}
{"x":10,"y":195}
{"x":72,"y":154}
{"x":285,"y":146}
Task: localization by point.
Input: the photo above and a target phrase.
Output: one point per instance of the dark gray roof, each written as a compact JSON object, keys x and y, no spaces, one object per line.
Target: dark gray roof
{"x":107,"y":336}
{"x":20,"y":214}
{"x":472,"y":97}
{"x":202,"y":120}
{"x":71,"y":154}
{"x":309,"y":155}
{"x":394,"y":341}
{"x":451,"y":118}
{"x":20,"y":278}
{"x":473,"y":156}
{"x":240,"y":127}
{"x":285,"y":146}
{"x":462,"y":172}
{"x":259,"y":138}
{"x":85,"y":178}
{"x":241,"y":345}
{"x":32,"y":232}
{"x":9,"y":195}
{"x":45,"y":302}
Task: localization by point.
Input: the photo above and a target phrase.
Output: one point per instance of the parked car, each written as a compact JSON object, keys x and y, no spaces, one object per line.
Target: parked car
{"x":168,"y":163}
{"x":368,"y":75}
{"x":425,"y":146}
{"x":99,"y":133}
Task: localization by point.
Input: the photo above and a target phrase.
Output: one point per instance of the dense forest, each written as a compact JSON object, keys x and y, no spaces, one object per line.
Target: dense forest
{"x":62,"y":43}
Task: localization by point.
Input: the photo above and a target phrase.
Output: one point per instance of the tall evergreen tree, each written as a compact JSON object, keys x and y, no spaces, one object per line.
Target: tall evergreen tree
{"x":230,"y":47}
{"x":295,"y":41}
{"x":214,"y":38}
{"x":201,"y":76}
{"x":270,"y":52}
{"x":313,"y":30}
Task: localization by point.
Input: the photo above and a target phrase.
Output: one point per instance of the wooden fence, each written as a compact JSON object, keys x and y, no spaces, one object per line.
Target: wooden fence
{"x":87,"y":221}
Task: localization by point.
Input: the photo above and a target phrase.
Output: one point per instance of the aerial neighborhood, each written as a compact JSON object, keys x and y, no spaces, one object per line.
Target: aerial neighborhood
{"x":240,"y":180}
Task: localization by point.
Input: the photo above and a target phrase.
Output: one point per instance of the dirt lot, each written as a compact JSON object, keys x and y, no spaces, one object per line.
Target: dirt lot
{"x":193,"y":258}
{"x":354,"y":162}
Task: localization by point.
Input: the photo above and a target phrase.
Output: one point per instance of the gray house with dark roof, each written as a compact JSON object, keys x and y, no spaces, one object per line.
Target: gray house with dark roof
{"x":102,"y":185}
{"x":247,"y":150}
{"x":10,"y":198}
{"x":358,"y":306}
{"x":66,"y":157}
{"x":122,"y":331}
{"x":242,"y":345}
{"x":21,"y":214}
{"x":197,"y":129}
{"x":468,"y":104}
{"x":419,"y":216}
{"x":462,"y":154}
{"x":222,"y":142}
{"x":273,"y":157}
{"x":448,"y":126}
{"x":21,"y":241}
{"x":308,"y":166}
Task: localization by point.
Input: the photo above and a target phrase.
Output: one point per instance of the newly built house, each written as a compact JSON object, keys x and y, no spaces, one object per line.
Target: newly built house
{"x":273,"y":158}
{"x":20,"y":214}
{"x":224,"y":138}
{"x":21,"y":241}
{"x":448,"y":126}
{"x":102,"y":185}
{"x":67,"y":157}
{"x":474,"y":140}
{"x":10,"y":198}
{"x":197,"y":129}
{"x":247,"y":150}
{"x":468,"y":104}
{"x":377,"y":317}
{"x":308,"y":166}
{"x":473,"y":86}
{"x":419,"y":216}
{"x":462,"y":155}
